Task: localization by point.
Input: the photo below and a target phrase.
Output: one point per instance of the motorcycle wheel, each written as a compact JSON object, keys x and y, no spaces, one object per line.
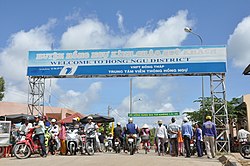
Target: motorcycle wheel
{"x":131,"y":148}
{"x":22,"y":151}
{"x":1,"y":151}
{"x":90,"y":148}
{"x":72,"y":149}
{"x":245,"y":151}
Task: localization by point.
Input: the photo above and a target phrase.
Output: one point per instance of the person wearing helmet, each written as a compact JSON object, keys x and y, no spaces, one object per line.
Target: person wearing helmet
{"x":131,"y":129}
{"x":54,"y":130}
{"x":118,"y":133}
{"x":187,"y":134}
{"x":209,"y":135}
{"x":92,"y":126}
{"x":160,"y":137}
{"x":76,"y":123}
{"x":173,"y":129}
{"x":39,"y":133}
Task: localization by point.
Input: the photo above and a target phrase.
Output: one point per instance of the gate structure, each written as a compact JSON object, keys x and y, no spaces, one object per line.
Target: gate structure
{"x":36,"y":95}
{"x":219,"y":111}
{"x":135,"y":62}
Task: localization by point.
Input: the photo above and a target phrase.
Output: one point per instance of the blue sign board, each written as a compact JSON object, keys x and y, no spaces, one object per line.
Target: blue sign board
{"x":156,"y":61}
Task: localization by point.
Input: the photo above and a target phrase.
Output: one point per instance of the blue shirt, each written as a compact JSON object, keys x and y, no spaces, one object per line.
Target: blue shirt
{"x":208,"y":129}
{"x":131,"y":128}
{"x":187,"y":130}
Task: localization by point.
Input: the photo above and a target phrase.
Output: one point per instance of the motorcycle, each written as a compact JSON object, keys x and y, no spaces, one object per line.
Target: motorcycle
{"x":108,"y":145}
{"x":25,"y":148}
{"x":52,"y":145}
{"x":245,"y":150}
{"x":131,"y":144}
{"x":193,"y":147}
{"x":145,"y":140}
{"x":90,"y":141}
{"x":117,"y":145}
{"x":73,"y":141}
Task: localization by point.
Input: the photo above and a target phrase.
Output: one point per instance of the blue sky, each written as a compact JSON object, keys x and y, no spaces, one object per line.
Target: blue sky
{"x":82,"y":24}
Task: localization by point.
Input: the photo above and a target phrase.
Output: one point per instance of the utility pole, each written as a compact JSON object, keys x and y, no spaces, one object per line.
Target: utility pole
{"x":109,"y":109}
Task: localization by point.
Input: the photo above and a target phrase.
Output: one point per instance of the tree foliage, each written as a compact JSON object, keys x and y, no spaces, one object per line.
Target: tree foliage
{"x":2,"y":88}
{"x":200,"y":114}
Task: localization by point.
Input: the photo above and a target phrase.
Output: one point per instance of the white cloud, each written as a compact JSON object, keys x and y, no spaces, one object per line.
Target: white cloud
{"x":81,"y":101}
{"x":89,"y":34}
{"x":120,"y":21}
{"x":167,"y":33}
{"x":238,"y":44}
{"x":75,"y":15}
{"x":13,"y":59}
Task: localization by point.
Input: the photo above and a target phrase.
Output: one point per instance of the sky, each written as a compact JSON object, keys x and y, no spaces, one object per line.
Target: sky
{"x":92,"y":24}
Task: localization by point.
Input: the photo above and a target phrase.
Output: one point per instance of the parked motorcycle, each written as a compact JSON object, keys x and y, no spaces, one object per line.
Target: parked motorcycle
{"x":108,"y":145}
{"x":117,"y":145}
{"x":90,"y":141}
{"x":52,"y":145}
{"x":131,"y":144}
{"x":193,"y":147}
{"x":73,"y":141}
{"x":25,"y":148}
{"x":245,"y":150}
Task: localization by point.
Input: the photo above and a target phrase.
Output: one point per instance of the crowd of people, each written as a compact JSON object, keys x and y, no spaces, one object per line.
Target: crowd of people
{"x":173,"y":139}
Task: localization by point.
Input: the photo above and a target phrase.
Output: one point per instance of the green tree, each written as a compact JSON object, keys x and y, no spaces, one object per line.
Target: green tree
{"x":200,"y":114}
{"x":1,"y":88}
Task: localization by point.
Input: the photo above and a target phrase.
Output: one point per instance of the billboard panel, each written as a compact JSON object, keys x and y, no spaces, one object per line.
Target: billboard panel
{"x":155,"y":61}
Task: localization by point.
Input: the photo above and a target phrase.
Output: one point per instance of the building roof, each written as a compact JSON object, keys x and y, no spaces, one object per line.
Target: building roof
{"x":247,"y":70}
{"x":68,"y":119}
{"x":9,"y":108}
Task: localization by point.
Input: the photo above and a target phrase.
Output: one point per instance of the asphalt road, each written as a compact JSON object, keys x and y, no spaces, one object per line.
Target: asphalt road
{"x":111,"y":159}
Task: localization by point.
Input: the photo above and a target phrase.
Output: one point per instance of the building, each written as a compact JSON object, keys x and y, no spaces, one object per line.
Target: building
{"x":9,"y":108}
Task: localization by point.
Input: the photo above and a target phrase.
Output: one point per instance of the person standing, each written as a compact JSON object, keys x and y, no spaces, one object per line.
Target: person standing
{"x":199,"y":140}
{"x":62,"y":137}
{"x":180,"y":144}
{"x":173,"y":129}
{"x":242,"y":134}
{"x":160,"y":135}
{"x":187,"y":134}
{"x":39,"y":133}
{"x":209,"y":133}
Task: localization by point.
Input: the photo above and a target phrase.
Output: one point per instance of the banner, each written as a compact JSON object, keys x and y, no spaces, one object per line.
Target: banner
{"x":156,"y":61}
{"x":153,"y":114}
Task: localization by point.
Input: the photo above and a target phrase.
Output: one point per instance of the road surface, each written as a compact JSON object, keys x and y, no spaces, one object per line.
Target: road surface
{"x":111,"y":159}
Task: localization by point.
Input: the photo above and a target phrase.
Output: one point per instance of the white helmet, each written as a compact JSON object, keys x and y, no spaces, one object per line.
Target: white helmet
{"x":53,"y":120}
{"x":130,"y":120}
{"x":118,"y":124}
{"x":90,"y":117}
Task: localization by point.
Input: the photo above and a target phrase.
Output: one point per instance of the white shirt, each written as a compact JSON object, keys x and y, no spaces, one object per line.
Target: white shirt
{"x":89,"y":126}
{"x":242,"y":135}
{"x":161,"y":132}
{"x":25,"y":128}
{"x":54,"y":129}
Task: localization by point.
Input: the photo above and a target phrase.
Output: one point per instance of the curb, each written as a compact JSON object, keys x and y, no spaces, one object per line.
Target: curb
{"x":229,"y":160}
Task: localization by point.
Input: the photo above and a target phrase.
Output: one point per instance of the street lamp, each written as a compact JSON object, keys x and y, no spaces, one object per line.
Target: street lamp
{"x":189,"y":30}
{"x":131,"y":97}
